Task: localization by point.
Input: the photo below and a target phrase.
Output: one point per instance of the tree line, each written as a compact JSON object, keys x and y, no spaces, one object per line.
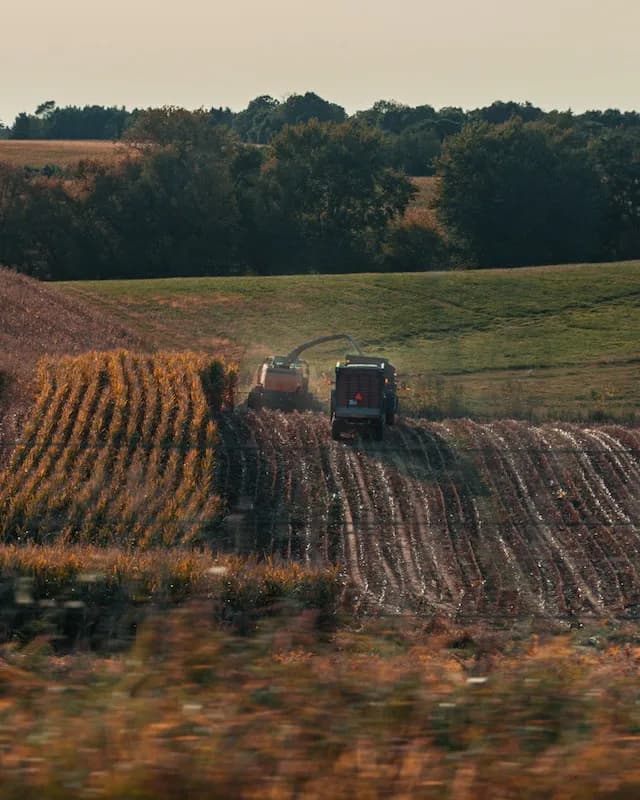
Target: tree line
{"x":190,"y":197}
{"x":415,"y":134}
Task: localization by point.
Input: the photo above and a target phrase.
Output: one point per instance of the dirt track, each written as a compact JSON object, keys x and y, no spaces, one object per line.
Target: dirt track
{"x":501,"y":519}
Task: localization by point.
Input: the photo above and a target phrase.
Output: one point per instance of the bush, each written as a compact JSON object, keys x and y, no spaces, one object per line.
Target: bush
{"x":416,"y":248}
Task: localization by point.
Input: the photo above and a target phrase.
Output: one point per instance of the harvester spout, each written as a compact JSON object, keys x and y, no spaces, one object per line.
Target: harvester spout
{"x":295,"y":353}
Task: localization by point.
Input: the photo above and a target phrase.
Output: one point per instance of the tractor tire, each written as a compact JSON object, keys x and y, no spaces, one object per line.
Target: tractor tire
{"x":255,"y":400}
{"x":377,"y":430}
{"x":303,"y":401}
{"x":336,"y":430}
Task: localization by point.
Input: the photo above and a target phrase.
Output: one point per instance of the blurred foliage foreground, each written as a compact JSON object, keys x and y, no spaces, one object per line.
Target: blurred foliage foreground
{"x":396,"y":709}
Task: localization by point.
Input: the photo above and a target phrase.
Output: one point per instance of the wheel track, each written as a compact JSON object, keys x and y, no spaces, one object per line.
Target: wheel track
{"x":462,"y":517}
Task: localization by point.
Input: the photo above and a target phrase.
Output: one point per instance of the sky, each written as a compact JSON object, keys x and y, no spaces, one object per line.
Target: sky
{"x":563,"y":54}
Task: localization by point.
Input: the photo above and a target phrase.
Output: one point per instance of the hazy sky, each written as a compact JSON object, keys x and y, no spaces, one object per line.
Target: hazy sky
{"x":556,"y":53}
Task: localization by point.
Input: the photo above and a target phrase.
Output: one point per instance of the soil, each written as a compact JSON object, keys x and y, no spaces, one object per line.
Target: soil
{"x":491,"y":521}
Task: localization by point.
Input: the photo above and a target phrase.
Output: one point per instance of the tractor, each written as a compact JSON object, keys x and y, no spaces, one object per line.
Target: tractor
{"x":282,"y":382}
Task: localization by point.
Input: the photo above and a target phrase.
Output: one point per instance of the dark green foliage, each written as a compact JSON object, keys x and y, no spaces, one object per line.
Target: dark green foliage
{"x":265,"y":117}
{"x":520,"y":194}
{"x":71,"y":122}
{"x":328,"y":197}
{"x":22,"y":127}
{"x":171,"y":212}
{"x":617,"y":159}
{"x":519,"y":186}
{"x":256,"y":123}
{"x":415,"y":150}
{"x":416,"y":248}
{"x":192,"y":200}
{"x":500,"y":112}
{"x":176,"y":127}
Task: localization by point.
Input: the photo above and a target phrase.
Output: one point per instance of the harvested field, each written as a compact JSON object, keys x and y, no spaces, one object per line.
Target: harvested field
{"x":60,"y":153}
{"x":119,"y":450}
{"x":38,"y":319}
{"x":495,"y":520}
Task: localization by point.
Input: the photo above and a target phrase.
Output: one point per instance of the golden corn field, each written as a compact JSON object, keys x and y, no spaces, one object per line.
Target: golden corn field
{"x":119,"y":448}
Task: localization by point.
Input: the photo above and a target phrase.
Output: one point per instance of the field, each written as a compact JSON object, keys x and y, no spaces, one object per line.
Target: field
{"x":62,"y":153}
{"x":420,"y":209}
{"x":540,"y":343}
{"x":493,"y":522}
{"x":119,"y":449}
{"x":225,"y":603}
{"x":38,"y":320}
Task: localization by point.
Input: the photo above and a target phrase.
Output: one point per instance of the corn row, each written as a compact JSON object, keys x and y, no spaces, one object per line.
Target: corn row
{"x":120,"y":450}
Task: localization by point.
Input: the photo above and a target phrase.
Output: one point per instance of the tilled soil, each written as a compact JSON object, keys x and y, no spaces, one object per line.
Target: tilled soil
{"x":36,"y":319}
{"x":492,"y":520}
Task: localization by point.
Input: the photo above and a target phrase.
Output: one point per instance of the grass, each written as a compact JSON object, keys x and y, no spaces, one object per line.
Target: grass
{"x":536,"y":342}
{"x":60,"y":153}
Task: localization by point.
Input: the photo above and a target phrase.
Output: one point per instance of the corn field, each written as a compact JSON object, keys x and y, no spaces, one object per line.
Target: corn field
{"x":119,"y":449}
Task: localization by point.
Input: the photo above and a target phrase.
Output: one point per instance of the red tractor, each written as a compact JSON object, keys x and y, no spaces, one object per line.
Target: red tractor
{"x":364,"y":399}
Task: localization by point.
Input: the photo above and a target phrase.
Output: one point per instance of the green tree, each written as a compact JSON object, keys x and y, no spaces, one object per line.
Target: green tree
{"x":617,"y":159}
{"x":299,"y":108}
{"x":328,"y":196}
{"x":519,"y":194}
{"x":415,"y":150}
{"x":259,"y":121}
{"x":170,"y":211}
{"x":171,"y":126}
{"x":22,"y":127}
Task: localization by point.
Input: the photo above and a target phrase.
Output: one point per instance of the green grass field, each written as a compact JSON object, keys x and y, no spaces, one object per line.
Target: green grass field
{"x":541,"y":342}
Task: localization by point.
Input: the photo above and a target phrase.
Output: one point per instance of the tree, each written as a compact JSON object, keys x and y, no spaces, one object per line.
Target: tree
{"x":259,"y":121}
{"x":617,"y":159}
{"x":519,"y":194}
{"x":299,"y":108}
{"x":172,"y":210}
{"x":21,"y":127}
{"x":499,"y":112}
{"x":328,"y":196}
{"x":416,"y":150}
{"x":176,"y":127}
{"x":45,"y":109}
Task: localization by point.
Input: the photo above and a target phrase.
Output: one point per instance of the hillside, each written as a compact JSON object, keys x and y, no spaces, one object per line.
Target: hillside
{"x":498,"y":521}
{"x":541,"y":342}
{"x":37,"y":319}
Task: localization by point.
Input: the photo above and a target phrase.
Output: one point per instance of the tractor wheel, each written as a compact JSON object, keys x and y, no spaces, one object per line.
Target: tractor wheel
{"x":302,"y":401}
{"x":254,"y":401}
{"x":378,"y":430}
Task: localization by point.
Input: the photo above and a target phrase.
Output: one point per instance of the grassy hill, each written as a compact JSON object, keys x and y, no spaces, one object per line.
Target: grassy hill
{"x":540,"y":342}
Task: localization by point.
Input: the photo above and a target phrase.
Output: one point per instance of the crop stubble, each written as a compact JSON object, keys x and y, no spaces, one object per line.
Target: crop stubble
{"x":479,"y":520}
